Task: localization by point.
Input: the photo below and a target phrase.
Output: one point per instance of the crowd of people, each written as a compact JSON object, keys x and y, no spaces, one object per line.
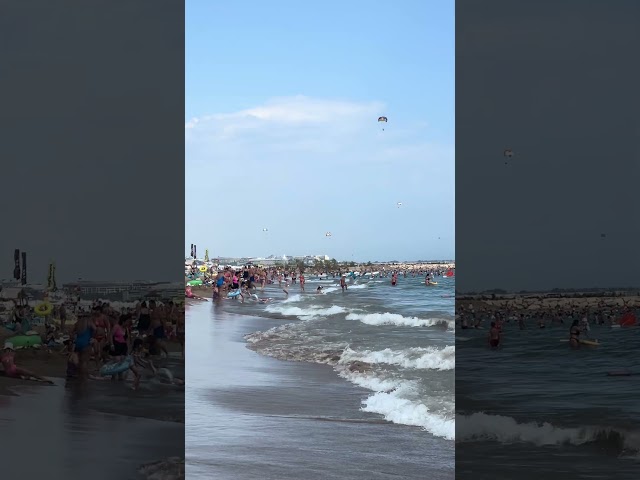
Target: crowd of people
{"x":244,"y":283}
{"x":95,"y":336}
{"x":573,"y":314}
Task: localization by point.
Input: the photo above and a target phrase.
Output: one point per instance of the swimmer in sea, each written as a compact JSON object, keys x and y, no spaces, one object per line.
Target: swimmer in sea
{"x":494,"y":336}
{"x":319,"y":289}
{"x":584,"y":326}
{"x":574,"y":334}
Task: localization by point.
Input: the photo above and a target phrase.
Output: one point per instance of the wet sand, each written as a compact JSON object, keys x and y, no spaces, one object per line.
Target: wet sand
{"x":255,"y":417}
{"x":98,"y":430}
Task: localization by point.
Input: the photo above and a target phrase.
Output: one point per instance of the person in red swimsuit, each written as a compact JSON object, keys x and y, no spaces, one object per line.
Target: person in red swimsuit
{"x":12,"y":370}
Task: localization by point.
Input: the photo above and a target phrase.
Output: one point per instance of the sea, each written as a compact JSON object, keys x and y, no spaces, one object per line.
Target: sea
{"x":358,"y":383}
{"x":537,"y":409}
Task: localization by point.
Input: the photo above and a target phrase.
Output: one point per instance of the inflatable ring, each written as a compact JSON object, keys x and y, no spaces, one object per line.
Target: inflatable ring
{"x":43,"y":309}
{"x":202,"y":268}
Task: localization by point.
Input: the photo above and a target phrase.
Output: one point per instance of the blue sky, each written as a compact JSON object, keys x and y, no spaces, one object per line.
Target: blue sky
{"x":282,"y":101}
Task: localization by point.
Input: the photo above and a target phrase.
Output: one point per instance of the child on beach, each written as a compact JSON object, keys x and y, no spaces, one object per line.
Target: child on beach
{"x":12,"y":370}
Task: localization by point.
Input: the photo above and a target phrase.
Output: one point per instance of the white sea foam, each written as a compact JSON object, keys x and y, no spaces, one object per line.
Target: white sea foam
{"x":393,"y":400}
{"x":310,"y":312}
{"x":292,"y":299}
{"x":413,"y":358}
{"x":397,"y":319}
{"x":482,"y":427}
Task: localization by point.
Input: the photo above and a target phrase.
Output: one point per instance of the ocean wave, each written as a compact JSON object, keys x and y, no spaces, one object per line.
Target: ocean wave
{"x":310,"y":312}
{"x":397,"y":319}
{"x":168,"y":469}
{"x":397,"y":400}
{"x":393,"y":400}
{"x":429,"y":358}
{"x":484,"y":427}
{"x":293,"y":342}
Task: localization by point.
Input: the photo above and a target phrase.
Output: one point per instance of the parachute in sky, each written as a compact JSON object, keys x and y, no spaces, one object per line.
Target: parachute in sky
{"x":382,"y":120}
{"x":265,"y":229}
{"x":399,"y":204}
{"x":328,"y":234}
{"x":508,"y":154}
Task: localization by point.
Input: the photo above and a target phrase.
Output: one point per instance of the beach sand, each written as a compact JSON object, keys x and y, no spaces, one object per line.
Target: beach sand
{"x":255,"y":417}
{"x":69,"y":421}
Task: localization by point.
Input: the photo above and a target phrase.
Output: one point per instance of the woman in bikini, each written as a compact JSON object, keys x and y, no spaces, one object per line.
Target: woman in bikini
{"x":101,"y":334}
{"x":7,"y":358}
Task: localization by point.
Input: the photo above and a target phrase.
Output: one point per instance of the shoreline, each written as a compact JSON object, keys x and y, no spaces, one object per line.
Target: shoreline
{"x":309,"y":416}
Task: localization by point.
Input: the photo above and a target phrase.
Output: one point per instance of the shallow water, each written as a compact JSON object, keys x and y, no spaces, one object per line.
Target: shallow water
{"x":538,"y":403}
{"x":402,"y":334}
{"x":252,"y":416}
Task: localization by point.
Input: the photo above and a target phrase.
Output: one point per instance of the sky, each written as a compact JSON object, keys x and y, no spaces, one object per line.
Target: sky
{"x":557,"y":83}
{"x":91,"y":115}
{"x":282,"y":143}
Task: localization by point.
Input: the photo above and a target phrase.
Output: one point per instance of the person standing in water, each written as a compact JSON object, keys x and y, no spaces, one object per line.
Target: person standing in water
{"x":158,"y":327}
{"x":394,"y":279}
{"x":494,"y":336}
{"x":574,"y":334}
{"x":343,"y":282}
{"x":302,"y":281}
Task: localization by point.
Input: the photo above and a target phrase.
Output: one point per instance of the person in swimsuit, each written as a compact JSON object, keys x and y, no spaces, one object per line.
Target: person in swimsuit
{"x":302,"y":281}
{"x":144,"y":319}
{"x":574,"y":334}
{"x":7,"y":358}
{"x":82,"y":342}
{"x":343,"y":282}
{"x":394,"y":279}
{"x":158,"y":326}
{"x":494,"y":336}
{"x":101,"y":333}
{"x":180,"y":329}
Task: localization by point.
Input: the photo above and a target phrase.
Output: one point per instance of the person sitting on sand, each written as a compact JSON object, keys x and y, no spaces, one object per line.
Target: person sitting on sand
{"x":12,"y":370}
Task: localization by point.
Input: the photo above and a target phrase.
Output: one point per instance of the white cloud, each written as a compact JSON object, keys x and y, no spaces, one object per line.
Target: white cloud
{"x":305,"y":163}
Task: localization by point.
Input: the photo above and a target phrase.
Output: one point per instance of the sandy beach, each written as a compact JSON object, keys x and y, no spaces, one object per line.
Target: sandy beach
{"x":83,"y":419}
{"x":254,"y":417}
